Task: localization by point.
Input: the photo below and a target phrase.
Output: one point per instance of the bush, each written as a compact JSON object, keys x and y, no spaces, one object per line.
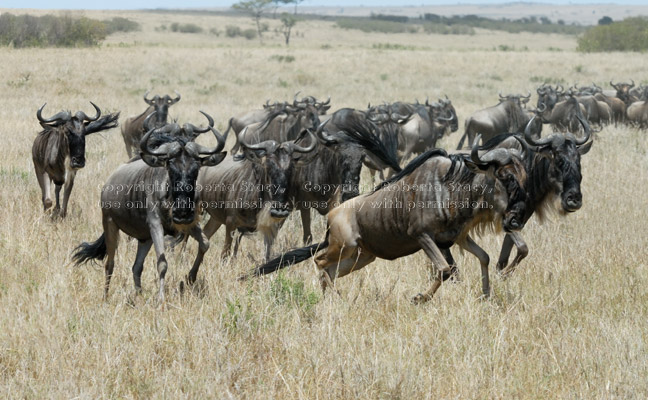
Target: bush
{"x":448,"y":29}
{"x":185,"y":28}
{"x":232,"y":31}
{"x":373,"y":25}
{"x":48,"y":30}
{"x":119,"y":24}
{"x":631,"y":34}
{"x":249,"y":34}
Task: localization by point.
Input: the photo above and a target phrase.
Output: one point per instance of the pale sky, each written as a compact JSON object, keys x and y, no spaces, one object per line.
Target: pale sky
{"x":151,"y":4}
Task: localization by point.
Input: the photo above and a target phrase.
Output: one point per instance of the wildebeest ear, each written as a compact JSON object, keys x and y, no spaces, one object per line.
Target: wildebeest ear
{"x":214,"y":159}
{"x":476,"y":168}
{"x":585,"y":148}
{"x":153,"y":161}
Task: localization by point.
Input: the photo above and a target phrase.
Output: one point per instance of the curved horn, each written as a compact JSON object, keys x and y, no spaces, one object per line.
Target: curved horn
{"x":474,"y":154}
{"x":295,"y":98}
{"x":396,"y":117}
{"x":326,"y":103}
{"x":528,"y":96}
{"x":544,"y":108}
{"x":165,"y":150}
{"x":586,"y":128}
{"x":613,"y":85}
{"x":82,"y":116}
{"x":267,"y":145}
{"x":60,"y":116}
{"x":148,"y":101}
{"x":562,"y":89}
{"x":198,"y":131}
{"x":529,"y":138}
{"x":178,"y":97}
{"x":427,"y":102}
{"x":307,"y":149}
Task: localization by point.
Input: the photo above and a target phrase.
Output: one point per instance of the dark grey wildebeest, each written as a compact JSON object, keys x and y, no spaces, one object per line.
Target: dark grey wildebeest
{"x":59,"y":151}
{"x":249,"y":192}
{"x":153,"y":196}
{"x":553,"y":172}
{"x":133,"y":128}
{"x":434,"y":202}
{"x":507,"y":116}
{"x":333,"y":174}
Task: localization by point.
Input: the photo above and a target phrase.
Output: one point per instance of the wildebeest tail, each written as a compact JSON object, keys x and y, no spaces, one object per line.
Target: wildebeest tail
{"x":90,"y":251}
{"x":286,"y":259}
{"x":461,"y":141}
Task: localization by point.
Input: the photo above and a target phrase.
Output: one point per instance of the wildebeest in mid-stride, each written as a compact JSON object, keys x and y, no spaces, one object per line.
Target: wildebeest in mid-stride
{"x":133,"y":128}
{"x":58,"y":151}
{"x":421,"y":208}
{"x":153,"y":196}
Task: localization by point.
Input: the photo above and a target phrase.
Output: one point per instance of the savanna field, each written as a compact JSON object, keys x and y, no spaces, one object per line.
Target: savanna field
{"x":571,"y":322}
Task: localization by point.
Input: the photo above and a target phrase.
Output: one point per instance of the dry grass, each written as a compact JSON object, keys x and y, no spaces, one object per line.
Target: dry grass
{"x":570,"y":323}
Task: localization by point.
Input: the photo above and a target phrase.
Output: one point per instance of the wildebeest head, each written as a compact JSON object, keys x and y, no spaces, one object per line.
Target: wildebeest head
{"x":172,"y":147}
{"x":549,"y":96}
{"x":450,"y":112}
{"x":507,"y":168}
{"x":516,"y":98}
{"x":321,"y":106}
{"x":623,"y":91}
{"x":563,"y":153}
{"x":161,"y":106}
{"x":276,"y":161}
{"x":75,"y":130}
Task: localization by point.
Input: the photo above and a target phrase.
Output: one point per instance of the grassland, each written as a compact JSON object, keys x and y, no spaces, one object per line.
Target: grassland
{"x":570,"y":323}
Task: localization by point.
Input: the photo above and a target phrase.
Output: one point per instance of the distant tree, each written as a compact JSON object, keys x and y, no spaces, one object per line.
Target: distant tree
{"x":605,"y":21}
{"x":255,"y":8}
{"x":288,"y":22}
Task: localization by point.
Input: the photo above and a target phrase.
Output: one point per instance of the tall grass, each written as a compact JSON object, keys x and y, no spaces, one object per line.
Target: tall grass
{"x":570,"y":323}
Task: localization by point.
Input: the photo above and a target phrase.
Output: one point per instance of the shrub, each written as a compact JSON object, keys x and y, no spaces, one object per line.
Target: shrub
{"x":185,"y":28}
{"x":373,"y":25}
{"x":631,"y":34}
{"x":48,"y":30}
{"x":119,"y":24}
{"x":232,"y":31}
{"x":249,"y":34}
{"x":444,"y":29}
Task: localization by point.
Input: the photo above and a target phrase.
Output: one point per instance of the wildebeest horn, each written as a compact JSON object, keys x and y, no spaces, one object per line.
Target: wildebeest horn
{"x":587,"y":133}
{"x":632,"y":84}
{"x":82,"y":116}
{"x":267,"y":145}
{"x":295,"y":97}
{"x":501,"y":156}
{"x":220,"y":139}
{"x":326,"y":103}
{"x":399,"y":117}
{"x":178,"y":97}
{"x":307,"y":149}
{"x":530,"y":139}
{"x":541,"y":91}
{"x":613,"y":85}
{"x":60,"y":116}
{"x":528,"y":96}
{"x":198,"y":131}
{"x":148,"y":101}
{"x":165,"y":150}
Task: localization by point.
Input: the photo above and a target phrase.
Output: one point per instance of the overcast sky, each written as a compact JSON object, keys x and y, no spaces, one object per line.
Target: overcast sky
{"x":141,"y":4}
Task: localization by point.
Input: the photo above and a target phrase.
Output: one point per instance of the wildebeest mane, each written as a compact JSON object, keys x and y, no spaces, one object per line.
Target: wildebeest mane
{"x":388,"y":135}
{"x":412,"y":166}
{"x":362,"y":133}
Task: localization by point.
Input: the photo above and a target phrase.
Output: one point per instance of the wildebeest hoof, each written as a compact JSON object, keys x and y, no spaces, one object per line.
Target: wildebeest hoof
{"x":182,"y":287}
{"x":420,"y":299}
{"x":47,"y":204}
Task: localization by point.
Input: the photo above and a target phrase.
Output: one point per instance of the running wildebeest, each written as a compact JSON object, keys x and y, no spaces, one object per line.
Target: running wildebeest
{"x":59,"y":151}
{"x":249,"y":192}
{"x":434,"y":202}
{"x":553,"y":171}
{"x":153,"y":196}
{"x":133,"y":128}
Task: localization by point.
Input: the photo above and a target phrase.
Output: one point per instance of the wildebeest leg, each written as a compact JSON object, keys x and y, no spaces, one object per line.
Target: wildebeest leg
{"x":44,"y":183}
{"x":505,"y":253}
{"x":157,"y":235}
{"x":306,"y":225}
{"x":470,"y":246}
{"x":111,"y":239}
{"x":454,"y":271}
{"x":438,"y":267}
{"x":143,"y":247}
{"x":337,"y":258}
{"x":203,"y":246}
{"x":522,"y":252}
{"x":57,"y":192}
{"x":69,"y":183}
{"x":237,"y":243}
{"x":356,"y":261}
{"x":229,"y":230}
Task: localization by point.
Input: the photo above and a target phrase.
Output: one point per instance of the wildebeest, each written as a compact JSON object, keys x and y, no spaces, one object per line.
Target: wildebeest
{"x":58,"y":151}
{"x":435,"y":201}
{"x":563,"y":116}
{"x":133,"y":128}
{"x":153,"y":196}
{"x":553,"y":171}
{"x":249,"y":192}
{"x":333,"y":173}
{"x":638,"y":114}
{"x":507,"y":116}
{"x":623,"y":92}
{"x":549,"y":96}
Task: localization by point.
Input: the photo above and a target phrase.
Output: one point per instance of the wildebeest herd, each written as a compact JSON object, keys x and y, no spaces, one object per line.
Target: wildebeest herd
{"x":294,"y":156}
